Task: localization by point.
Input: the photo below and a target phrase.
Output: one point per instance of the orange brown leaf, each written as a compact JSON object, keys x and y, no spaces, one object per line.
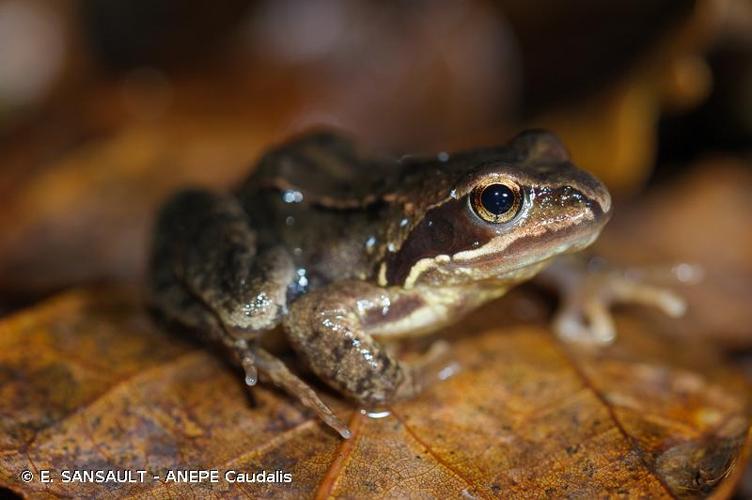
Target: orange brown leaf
{"x":87,"y":382}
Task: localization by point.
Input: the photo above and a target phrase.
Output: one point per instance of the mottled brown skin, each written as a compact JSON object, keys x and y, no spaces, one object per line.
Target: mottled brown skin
{"x":342,"y":247}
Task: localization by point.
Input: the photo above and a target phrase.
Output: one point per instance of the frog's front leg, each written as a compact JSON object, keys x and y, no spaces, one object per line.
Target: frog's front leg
{"x":588,"y":289}
{"x":331,"y":329}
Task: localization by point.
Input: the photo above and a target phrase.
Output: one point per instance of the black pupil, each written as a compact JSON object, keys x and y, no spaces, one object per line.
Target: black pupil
{"x":497,"y":198}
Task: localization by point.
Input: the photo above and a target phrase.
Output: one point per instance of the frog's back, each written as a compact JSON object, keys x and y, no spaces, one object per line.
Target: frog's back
{"x":340,"y":209}
{"x":321,"y":197}
{"x":325,"y":167}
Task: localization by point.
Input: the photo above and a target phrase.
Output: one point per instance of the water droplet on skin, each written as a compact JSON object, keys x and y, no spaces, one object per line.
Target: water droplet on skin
{"x":370,"y":243}
{"x":290,"y":220}
{"x":363,"y":305}
{"x":385,"y":305}
{"x":392,"y":247}
{"x":404,"y":222}
{"x":292,"y":196}
{"x":297,"y":251}
{"x":453,"y":193}
{"x":302,"y":279}
{"x":251,"y":374}
{"x":443,"y":157}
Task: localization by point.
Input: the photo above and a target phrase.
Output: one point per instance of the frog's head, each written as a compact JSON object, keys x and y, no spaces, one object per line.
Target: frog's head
{"x":499,"y":216}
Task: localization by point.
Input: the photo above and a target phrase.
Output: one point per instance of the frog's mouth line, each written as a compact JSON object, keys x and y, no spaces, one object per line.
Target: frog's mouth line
{"x":529,"y":251}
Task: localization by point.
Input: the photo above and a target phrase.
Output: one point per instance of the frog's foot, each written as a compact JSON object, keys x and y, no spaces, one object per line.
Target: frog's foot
{"x":247,"y":358}
{"x":255,"y":359}
{"x":589,"y":292}
{"x":585,"y":315}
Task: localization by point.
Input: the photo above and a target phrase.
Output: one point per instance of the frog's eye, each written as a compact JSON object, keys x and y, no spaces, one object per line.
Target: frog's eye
{"x":496,"y":201}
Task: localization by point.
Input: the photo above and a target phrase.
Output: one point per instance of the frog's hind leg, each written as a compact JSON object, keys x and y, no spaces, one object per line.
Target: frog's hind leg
{"x":252,"y":358}
{"x":205,"y":241}
{"x":207,"y":274}
{"x":281,"y":376}
{"x":174,"y":305}
{"x":192,"y":314}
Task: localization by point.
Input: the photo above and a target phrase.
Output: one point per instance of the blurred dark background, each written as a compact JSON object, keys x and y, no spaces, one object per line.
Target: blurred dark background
{"x":106,"y":106}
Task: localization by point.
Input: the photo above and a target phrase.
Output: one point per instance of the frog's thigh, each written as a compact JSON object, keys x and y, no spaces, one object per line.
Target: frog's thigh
{"x":205,"y":241}
{"x":168,"y":293}
{"x":247,"y":292}
{"x":175,"y":305}
{"x":326,"y":330}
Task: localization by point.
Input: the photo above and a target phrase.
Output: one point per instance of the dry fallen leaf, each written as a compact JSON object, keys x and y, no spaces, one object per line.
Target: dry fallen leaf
{"x":87,"y":382}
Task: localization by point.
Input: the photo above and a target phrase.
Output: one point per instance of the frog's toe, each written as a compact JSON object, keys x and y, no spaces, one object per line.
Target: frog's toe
{"x":251,"y":373}
{"x":277,"y":373}
{"x":634,"y":292}
{"x":590,"y":322}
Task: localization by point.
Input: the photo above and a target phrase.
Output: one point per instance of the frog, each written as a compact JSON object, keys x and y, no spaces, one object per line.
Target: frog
{"x":348,"y":252}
